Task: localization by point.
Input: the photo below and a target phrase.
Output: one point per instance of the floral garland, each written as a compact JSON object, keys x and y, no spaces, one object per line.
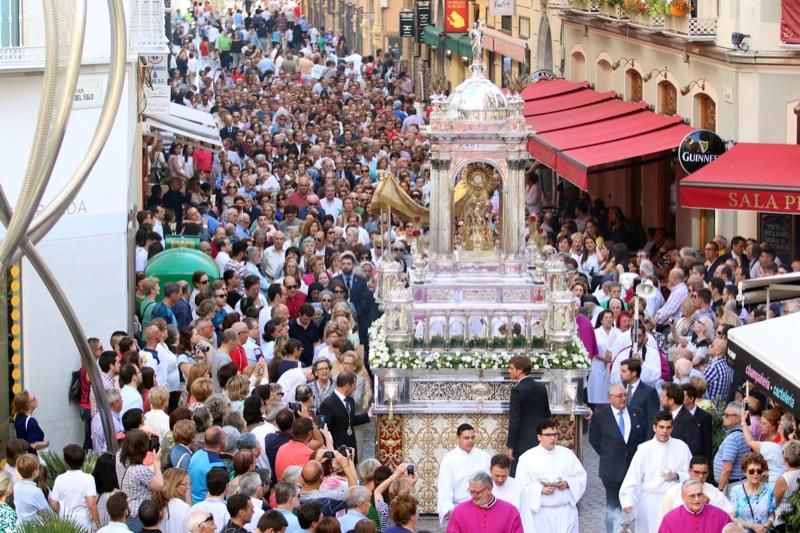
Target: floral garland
{"x":572,"y":356}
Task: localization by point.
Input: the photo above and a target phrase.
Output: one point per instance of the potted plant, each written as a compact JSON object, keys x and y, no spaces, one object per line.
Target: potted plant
{"x":656,"y":8}
{"x":678,"y":8}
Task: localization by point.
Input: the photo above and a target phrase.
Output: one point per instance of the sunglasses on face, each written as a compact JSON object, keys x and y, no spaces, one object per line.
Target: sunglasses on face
{"x":755,"y":471}
{"x":338,"y":291}
{"x":291,"y":286}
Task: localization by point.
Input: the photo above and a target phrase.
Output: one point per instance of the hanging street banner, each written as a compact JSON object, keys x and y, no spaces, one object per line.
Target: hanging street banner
{"x":407,"y":24}
{"x":456,"y":16}
{"x":423,"y":9}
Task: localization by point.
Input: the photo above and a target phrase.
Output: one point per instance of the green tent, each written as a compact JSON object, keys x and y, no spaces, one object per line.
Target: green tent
{"x":179,"y":264}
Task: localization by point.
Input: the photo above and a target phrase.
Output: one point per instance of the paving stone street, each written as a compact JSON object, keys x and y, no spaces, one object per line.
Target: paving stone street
{"x":593,"y":504}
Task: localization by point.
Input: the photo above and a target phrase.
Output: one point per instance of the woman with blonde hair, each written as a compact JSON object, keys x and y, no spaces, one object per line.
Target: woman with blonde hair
{"x":237,"y":389}
{"x":172,"y":500}
{"x":8,"y":516}
{"x":196,"y":371}
{"x":156,"y":418}
{"x":201,"y":390}
{"x":26,"y":427}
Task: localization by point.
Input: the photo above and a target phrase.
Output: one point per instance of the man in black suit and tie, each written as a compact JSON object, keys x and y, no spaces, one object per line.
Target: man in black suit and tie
{"x":339,"y":410}
{"x":703,"y":419}
{"x":684,"y":425}
{"x":616,"y":431}
{"x":713,"y":260}
{"x":529,"y":405}
{"x":228,"y":131}
{"x":640,"y":395}
{"x":359,"y":295}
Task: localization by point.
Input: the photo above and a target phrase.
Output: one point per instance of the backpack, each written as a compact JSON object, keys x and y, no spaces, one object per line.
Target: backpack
{"x":74,"y":392}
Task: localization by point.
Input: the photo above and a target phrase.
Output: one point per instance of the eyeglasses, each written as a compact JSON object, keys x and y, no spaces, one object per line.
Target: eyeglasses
{"x":290,"y":286}
{"x":728,"y":414}
{"x":338,"y":290}
{"x":202,"y":282}
{"x":549,"y":435}
{"x":755,"y":471}
{"x":219,"y":295}
{"x":326,"y":300}
{"x":476,"y":492}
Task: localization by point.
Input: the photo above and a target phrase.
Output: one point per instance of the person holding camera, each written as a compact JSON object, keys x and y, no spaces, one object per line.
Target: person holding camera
{"x":135,"y":479}
{"x":312,"y":478}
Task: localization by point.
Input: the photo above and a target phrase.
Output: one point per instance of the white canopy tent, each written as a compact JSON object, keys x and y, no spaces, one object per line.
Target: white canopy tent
{"x":187,"y":125}
{"x":768,"y":354}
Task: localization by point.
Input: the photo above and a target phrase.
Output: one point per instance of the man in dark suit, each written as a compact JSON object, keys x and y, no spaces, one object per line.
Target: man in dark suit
{"x":359,"y":295}
{"x":640,"y":395}
{"x":339,"y":410}
{"x":684,"y":425}
{"x":529,"y":405}
{"x":713,"y":259}
{"x":702,"y":418}
{"x":228,"y":131}
{"x":616,"y":431}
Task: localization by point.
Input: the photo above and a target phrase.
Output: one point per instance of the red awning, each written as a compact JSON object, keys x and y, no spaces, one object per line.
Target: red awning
{"x":579,"y":131}
{"x":753,"y":177}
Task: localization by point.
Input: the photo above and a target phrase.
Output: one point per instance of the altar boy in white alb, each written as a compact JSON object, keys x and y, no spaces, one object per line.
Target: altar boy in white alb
{"x":455,"y":469}
{"x":506,"y":488}
{"x":553,"y":482}
{"x":656,"y":467}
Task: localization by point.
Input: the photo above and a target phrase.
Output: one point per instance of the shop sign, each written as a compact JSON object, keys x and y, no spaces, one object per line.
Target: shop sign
{"x":543,"y":74}
{"x":499,"y":8}
{"x":155,"y":84}
{"x":771,"y":382}
{"x":456,"y":16}
{"x":423,"y":17}
{"x":698,"y":149}
{"x":407,"y":24}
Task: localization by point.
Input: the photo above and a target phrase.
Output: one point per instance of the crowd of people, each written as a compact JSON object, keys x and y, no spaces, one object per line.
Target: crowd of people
{"x":242,"y":402}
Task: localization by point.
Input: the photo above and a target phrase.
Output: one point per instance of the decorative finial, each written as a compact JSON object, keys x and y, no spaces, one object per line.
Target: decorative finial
{"x":476,"y":35}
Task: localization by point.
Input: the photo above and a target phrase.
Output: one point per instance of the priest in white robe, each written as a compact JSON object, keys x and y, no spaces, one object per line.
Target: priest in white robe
{"x":658,"y":465}
{"x":552,"y":481}
{"x":455,"y":470}
{"x":506,"y":488}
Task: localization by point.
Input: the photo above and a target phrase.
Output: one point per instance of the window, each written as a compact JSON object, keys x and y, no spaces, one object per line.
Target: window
{"x":489,"y":20}
{"x":667,"y":99}
{"x":10,"y":23}
{"x":505,"y":23}
{"x":604,"y":81}
{"x":524,"y":28}
{"x":708,"y":112}
{"x":635,"y":85}
{"x":577,"y":71}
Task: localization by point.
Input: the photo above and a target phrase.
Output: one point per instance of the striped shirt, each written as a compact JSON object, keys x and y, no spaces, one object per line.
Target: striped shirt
{"x":731,"y":450}
{"x":719,"y":377}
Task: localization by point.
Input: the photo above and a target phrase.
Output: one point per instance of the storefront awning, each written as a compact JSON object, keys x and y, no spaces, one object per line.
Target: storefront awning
{"x":580,"y":131}
{"x":504,"y":44}
{"x":459,"y":44}
{"x":431,"y":36}
{"x":749,"y":176}
{"x":759,"y":351}
{"x":190,"y":125}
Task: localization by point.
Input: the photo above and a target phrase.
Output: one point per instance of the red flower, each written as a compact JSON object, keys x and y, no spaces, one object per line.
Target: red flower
{"x":415,"y":233}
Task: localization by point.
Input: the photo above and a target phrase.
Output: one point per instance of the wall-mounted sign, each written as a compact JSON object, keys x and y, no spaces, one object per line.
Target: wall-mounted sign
{"x":155,"y":84}
{"x":542,"y":75}
{"x":395,"y":46}
{"x":456,"y":16}
{"x":499,"y":8}
{"x":423,"y":8}
{"x":407,"y":24}
{"x":90,"y":92}
{"x":700,"y":148}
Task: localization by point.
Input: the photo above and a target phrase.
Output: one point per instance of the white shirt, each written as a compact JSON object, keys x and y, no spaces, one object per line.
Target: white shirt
{"x":253,"y":350}
{"x":168,"y":366}
{"x":131,"y":399}
{"x":454,"y":472}
{"x":158,"y":421}
{"x":222,"y":259}
{"x":175,"y":516}
{"x":260,"y":432}
{"x":217,"y":509}
{"x":331,"y":207}
{"x":272,"y":262}
{"x":114,"y":527}
{"x":141,"y":258}
{"x":651,"y":366}
{"x":290,"y":380}
{"x":257,"y":512}
{"x":70,"y":490}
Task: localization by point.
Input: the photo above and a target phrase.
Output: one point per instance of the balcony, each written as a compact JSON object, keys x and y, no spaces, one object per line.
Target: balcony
{"x":21,"y":39}
{"x":697,"y":23}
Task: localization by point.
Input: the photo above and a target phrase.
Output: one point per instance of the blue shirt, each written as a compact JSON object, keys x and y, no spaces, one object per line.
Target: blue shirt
{"x":732,"y":449}
{"x":291,"y":519}
{"x":349,"y":520}
{"x":28,"y":499}
{"x":201,"y":463}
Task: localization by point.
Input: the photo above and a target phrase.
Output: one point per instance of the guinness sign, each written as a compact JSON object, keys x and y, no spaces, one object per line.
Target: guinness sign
{"x":698,"y":149}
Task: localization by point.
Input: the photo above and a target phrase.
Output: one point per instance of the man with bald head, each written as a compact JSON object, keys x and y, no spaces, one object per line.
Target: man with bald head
{"x":331,"y":500}
{"x":204,"y":460}
{"x":678,"y":292}
{"x":299,"y":198}
{"x":696,"y":514}
{"x":615,"y":433}
{"x":273,"y":257}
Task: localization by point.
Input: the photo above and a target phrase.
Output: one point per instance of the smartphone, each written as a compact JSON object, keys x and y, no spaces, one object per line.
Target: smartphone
{"x":321,"y":422}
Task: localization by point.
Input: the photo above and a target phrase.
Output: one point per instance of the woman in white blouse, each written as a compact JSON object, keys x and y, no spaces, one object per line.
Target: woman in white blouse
{"x":598,"y":375}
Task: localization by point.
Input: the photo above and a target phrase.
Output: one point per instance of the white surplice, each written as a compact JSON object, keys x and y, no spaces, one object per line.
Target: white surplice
{"x":509,"y":491}
{"x":644,"y":487}
{"x":597,"y":386}
{"x":454,"y":472}
{"x":620,"y":350}
{"x":550,"y":512}
{"x":673,"y":499}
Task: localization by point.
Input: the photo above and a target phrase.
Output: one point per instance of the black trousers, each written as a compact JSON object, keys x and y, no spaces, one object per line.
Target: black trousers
{"x":613,"y":507}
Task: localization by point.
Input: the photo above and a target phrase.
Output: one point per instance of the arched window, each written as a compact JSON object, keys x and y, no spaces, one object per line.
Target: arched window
{"x":635,"y":85}
{"x":577,"y":71}
{"x":707,"y":112}
{"x":604,"y":81}
{"x":667,"y":98}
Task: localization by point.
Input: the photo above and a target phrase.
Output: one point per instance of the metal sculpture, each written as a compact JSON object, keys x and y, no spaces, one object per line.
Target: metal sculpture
{"x":65,"y":27}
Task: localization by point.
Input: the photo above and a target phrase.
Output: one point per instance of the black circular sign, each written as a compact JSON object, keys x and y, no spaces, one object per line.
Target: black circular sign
{"x":700,"y":148}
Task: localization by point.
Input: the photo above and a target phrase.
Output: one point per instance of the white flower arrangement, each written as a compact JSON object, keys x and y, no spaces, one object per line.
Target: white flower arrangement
{"x":571,"y":356}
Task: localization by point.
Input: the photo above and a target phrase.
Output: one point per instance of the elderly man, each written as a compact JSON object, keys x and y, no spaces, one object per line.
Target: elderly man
{"x":678,"y":292}
{"x":205,"y":459}
{"x":695,"y":514}
{"x":553,"y":482}
{"x":98,"y":436}
{"x":483,"y":512}
{"x":358,"y":503}
{"x":698,"y":470}
{"x":454,"y":471}
{"x":656,"y":466}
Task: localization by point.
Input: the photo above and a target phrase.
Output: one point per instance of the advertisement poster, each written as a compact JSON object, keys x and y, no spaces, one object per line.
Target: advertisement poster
{"x":407,"y":24}
{"x":456,"y":16}
{"x":499,"y":8}
{"x":155,"y":84}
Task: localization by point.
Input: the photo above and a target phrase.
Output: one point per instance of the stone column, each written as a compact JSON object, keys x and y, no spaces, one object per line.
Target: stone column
{"x":514,"y":211}
{"x":440,"y":208}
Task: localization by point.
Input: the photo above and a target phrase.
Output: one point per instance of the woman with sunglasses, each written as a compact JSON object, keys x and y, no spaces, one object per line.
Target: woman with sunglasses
{"x":754,"y":500}
{"x":771,"y":448}
{"x":200,"y":281}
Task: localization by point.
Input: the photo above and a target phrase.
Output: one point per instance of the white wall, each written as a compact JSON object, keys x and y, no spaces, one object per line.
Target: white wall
{"x":86,"y":250}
